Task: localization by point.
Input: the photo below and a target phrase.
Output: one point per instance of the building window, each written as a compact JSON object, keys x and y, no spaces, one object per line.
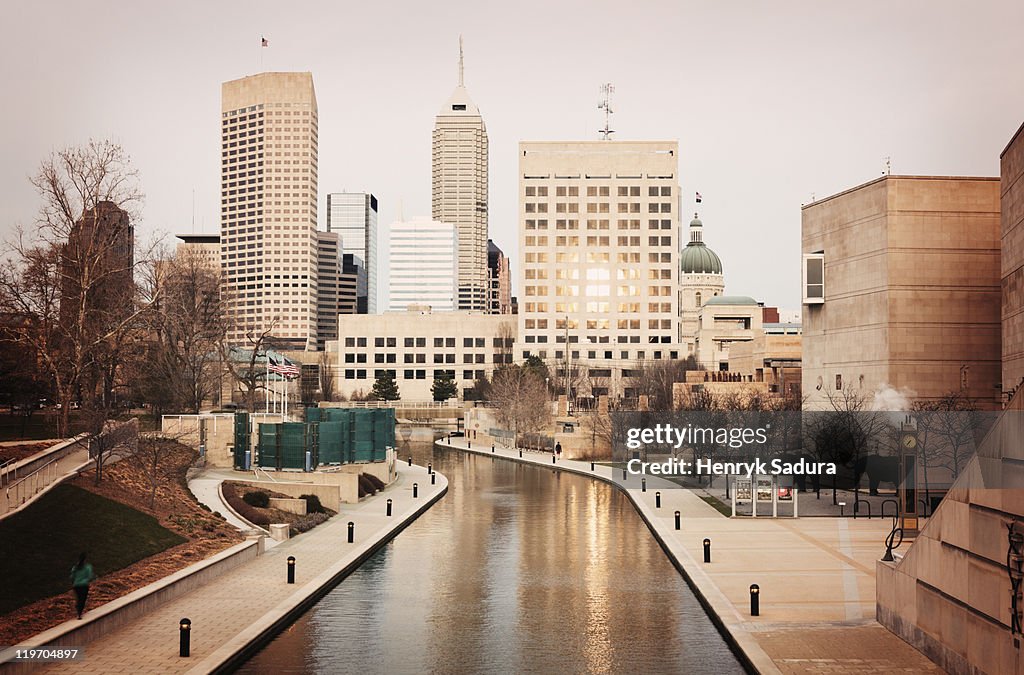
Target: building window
{"x":839,"y":382}
{"x":814,"y":278}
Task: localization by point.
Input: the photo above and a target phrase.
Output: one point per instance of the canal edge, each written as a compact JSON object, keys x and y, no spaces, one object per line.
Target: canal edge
{"x":236,"y":651}
{"x":750,"y":654}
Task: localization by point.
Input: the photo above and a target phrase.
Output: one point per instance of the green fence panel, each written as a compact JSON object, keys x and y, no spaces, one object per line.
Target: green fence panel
{"x":268,"y":450}
{"x":292,"y":445}
{"x":241,"y":439}
{"x":331,"y":443}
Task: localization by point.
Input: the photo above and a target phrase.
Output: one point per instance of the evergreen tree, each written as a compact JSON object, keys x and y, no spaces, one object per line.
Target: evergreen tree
{"x":385,"y":388}
{"x":444,"y":388}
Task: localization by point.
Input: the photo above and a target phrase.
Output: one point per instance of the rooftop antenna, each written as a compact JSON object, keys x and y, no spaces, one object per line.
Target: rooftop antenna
{"x":888,"y":165}
{"x":606,"y":104}
{"x":460,"y":62}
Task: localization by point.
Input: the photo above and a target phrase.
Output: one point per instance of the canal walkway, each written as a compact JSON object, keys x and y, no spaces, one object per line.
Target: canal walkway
{"x":234,"y":613}
{"x":816,"y":576}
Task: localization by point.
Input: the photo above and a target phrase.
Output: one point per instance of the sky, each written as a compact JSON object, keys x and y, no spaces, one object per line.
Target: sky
{"x":773,"y":104}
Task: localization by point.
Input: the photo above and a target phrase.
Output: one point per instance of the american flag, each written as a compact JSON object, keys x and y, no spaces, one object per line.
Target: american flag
{"x":288,"y":370}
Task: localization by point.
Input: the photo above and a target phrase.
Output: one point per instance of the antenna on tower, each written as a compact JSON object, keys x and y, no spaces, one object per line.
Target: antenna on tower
{"x":460,"y":61}
{"x":888,"y":165}
{"x":606,"y":104}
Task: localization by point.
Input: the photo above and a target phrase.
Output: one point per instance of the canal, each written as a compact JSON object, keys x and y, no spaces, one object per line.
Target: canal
{"x":517,"y":569}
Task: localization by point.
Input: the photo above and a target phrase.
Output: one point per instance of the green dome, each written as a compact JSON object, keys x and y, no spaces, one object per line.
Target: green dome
{"x":731,"y":300}
{"x":696,"y":258}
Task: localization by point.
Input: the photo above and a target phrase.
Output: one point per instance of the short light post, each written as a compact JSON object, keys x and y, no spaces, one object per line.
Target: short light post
{"x":678,"y":520}
{"x":643,"y":485}
{"x":351,"y":532}
{"x":415,"y":490}
{"x":707,"y":550}
{"x":184,"y":637}
{"x":755,"y":600}
{"x":433,"y":479}
{"x":657,"y":500}
{"x":389,"y":506}
{"x":410,"y":460}
{"x":291,"y":569}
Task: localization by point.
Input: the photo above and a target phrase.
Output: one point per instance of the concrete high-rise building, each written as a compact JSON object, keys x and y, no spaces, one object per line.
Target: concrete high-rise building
{"x":598,"y":239}
{"x":901,"y":288}
{"x":268,"y":208}
{"x":328,"y":287}
{"x":459,"y":188}
{"x":499,"y":281}
{"x":353,"y":215}
{"x":205,"y":247}
{"x":424,"y":265}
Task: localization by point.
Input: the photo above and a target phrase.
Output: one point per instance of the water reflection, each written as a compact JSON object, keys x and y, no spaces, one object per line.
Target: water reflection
{"x":515,"y":570}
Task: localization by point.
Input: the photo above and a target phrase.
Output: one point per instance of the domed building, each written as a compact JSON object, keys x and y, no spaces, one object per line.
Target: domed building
{"x":700,"y":278}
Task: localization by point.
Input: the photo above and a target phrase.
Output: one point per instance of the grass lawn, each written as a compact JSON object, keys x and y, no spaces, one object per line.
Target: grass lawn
{"x":42,"y":543}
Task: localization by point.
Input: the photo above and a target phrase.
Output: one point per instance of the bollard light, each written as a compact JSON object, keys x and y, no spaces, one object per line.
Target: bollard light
{"x":415,"y":490}
{"x":410,"y":460}
{"x":591,"y":466}
{"x":707,"y":550}
{"x":469,"y":443}
{"x":657,"y":500}
{"x":755,"y":600}
{"x":643,"y":485}
{"x":433,"y":478}
{"x":623,"y":474}
{"x":552,"y":459}
{"x":492,"y":447}
{"x":291,"y":569}
{"x":430,"y":468}
{"x":677,"y":520}
{"x":351,"y":532}
{"x":184,"y":637}
{"x":389,"y":506}
{"x":520,"y":453}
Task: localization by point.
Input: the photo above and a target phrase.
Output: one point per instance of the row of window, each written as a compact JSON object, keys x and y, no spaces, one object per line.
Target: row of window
{"x":599,"y":191}
{"x":411,"y":374}
{"x":598,"y":241}
{"x":439,"y":342}
{"x":422,"y":358}
{"x":600,"y":224}
{"x":597,"y":207}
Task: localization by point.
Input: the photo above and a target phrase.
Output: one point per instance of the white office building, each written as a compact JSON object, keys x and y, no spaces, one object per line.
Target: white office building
{"x":423,"y":265}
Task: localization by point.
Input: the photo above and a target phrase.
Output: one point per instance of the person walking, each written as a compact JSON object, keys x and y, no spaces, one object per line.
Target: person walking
{"x":558,"y":449}
{"x":81,"y":576}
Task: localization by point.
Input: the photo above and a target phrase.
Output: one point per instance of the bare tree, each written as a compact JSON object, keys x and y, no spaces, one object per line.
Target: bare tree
{"x":521,"y":398}
{"x":70,"y":279}
{"x":248,"y":366}
{"x":655,"y":380}
{"x":327,"y":392}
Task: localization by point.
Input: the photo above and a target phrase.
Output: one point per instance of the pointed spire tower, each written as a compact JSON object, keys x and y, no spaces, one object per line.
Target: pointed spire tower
{"x":459,"y":187}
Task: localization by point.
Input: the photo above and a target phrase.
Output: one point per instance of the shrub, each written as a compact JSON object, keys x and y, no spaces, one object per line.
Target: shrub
{"x":313,"y":504}
{"x":260,"y":500}
{"x":307,"y":522}
{"x":377,"y":483}
{"x":366,"y":487}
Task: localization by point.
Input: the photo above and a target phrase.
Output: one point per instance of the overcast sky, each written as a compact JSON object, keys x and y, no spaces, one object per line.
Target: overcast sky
{"x":771,"y":102}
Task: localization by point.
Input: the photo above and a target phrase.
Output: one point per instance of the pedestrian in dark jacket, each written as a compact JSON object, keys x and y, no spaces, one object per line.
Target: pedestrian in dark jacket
{"x":558,"y":449}
{"x":81,"y":576}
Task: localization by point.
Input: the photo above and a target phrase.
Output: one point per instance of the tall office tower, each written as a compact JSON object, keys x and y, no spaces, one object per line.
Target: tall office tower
{"x":598,"y":235}
{"x":328,"y":274}
{"x":353,"y":215}
{"x":459,"y":188}
{"x":349,"y":290}
{"x":205,"y":247}
{"x":424,"y":265}
{"x":268,"y":208}
{"x":499,"y":282}
{"x":97,"y":270}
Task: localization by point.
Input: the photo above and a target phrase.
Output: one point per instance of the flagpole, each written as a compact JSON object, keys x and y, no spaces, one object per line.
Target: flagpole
{"x":266,"y":383}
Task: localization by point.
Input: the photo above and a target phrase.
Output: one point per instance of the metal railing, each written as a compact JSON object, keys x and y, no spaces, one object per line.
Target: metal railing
{"x":23,"y":489}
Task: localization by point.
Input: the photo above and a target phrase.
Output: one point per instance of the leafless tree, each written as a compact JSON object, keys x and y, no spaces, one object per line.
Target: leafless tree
{"x":521,"y":399}
{"x":655,"y":380}
{"x":71,"y":278}
{"x":247,"y":366}
{"x":327,"y":392}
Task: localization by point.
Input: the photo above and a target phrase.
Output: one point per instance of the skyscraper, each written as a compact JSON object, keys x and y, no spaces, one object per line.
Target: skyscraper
{"x":424,"y":265}
{"x":599,"y":246}
{"x":353,"y":215}
{"x":499,"y":298}
{"x":268,"y":208}
{"x":459,"y":188}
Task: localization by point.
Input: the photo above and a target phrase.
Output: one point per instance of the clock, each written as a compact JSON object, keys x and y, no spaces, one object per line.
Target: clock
{"x":909,"y":441}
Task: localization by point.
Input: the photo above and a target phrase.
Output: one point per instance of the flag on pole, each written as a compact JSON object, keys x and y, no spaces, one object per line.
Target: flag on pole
{"x":698,"y":198}
{"x":285,"y":369}
{"x":263,"y":42}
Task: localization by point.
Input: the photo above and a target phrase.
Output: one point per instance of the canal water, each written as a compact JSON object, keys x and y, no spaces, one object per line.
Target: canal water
{"x":516,"y":570}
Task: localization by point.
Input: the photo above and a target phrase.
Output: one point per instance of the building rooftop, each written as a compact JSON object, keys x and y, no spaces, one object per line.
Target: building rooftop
{"x":735,"y":300}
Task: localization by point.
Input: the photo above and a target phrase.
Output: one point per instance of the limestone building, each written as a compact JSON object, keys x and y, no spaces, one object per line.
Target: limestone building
{"x":423,"y":265}
{"x":700,"y":279}
{"x":459,"y":188}
{"x":205,"y":247}
{"x":418,"y":345}
{"x":598,"y":240}
{"x":1011,"y":188}
{"x":269,"y":208}
{"x":901,"y":287}
{"x":722,"y":321}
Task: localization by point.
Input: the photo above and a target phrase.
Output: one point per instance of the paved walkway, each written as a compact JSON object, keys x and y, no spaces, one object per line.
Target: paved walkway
{"x":816,"y":577}
{"x":235,"y":608}
{"x":206,"y":488}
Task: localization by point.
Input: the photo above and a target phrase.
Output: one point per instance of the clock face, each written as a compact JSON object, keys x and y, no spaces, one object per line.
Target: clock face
{"x":909,"y":442}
